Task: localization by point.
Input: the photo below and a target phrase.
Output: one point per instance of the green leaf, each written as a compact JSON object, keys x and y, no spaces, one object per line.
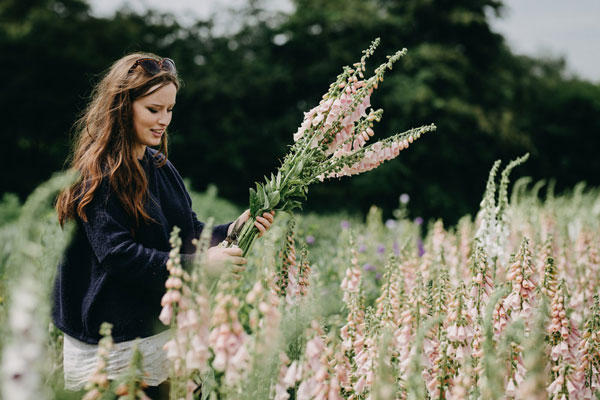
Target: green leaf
{"x":261,"y":193}
{"x":268,"y":187}
{"x":254,"y":203}
{"x":275,"y":198}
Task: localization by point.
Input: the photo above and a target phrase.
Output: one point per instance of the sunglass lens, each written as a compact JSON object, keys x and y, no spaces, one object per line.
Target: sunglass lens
{"x":150,"y":66}
{"x":169,"y":65}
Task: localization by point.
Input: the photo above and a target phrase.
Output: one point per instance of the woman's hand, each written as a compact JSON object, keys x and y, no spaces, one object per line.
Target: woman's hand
{"x":262,"y":223}
{"x":218,"y":257}
{"x":223,"y":255}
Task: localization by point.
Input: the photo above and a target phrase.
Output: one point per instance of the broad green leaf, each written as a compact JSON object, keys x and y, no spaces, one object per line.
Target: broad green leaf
{"x":275,"y":198}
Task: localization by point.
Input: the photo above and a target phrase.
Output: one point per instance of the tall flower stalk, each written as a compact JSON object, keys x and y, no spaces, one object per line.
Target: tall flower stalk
{"x":24,"y":332}
{"x":482,"y":284}
{"x":519,"y":302}
{"x":589,"y":353}
{"x":287,"y":278}
{"x":186,"y":308}
{"x":564,"y":339}
{"x":98,"y":383}
{"x":330,"y":143}
{"x":132,"y":388}
{"x":493,"y":216}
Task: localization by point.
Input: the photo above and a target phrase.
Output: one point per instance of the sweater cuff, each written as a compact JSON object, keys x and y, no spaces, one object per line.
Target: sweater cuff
{"x":219,"y":233}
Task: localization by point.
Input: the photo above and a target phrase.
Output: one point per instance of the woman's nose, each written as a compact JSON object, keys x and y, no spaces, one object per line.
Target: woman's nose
{"x":164,"y":119}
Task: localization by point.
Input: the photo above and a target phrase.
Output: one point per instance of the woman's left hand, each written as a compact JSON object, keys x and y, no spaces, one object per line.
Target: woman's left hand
{"x":262,"y":223}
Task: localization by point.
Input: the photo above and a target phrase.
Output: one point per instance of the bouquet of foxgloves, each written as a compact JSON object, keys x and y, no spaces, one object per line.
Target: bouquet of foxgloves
{"x":330,"y":143}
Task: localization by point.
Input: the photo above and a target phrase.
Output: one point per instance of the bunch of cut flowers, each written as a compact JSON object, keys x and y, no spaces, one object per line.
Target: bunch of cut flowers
{"x":330,"y":143}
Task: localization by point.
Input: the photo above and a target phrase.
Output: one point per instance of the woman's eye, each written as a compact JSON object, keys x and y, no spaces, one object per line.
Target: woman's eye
{"x":171,"y":110}
{"x":152,"y":110}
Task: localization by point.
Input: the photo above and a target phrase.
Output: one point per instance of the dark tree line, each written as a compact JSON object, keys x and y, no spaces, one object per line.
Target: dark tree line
{"x":245,"y":92}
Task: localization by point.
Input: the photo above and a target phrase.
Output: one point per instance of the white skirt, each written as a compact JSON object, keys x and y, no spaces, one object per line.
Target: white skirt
{"x":81,"y":360}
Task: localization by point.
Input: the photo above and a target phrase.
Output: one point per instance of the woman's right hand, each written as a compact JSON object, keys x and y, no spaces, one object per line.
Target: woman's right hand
{"x":219,"y":257}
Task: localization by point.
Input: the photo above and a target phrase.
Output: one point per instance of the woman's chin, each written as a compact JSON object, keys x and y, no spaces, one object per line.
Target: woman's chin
{"x":154,"y":142}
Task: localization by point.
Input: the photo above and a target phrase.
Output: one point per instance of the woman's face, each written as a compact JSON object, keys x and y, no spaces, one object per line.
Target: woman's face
{"x":151,"y":116}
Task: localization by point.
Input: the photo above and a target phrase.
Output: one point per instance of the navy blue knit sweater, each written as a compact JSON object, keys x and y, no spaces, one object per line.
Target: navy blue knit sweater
{"x":107,"y":275}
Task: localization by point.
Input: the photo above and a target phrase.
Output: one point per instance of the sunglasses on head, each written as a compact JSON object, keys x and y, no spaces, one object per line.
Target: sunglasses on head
{"x":153,"y":67}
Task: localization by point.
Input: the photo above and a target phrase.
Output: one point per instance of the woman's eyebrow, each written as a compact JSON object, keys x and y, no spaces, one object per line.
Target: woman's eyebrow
{"x":160,"y":105}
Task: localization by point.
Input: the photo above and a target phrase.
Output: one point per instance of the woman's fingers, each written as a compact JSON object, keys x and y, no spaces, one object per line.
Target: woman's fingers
{"x":238,"y":260}
{"x":229,"y":257}
{"x":226,"y":254}
{"x":233,"y":251}
{"x":261,"y":229}
{"x":237,"y":271}
{"x":262,"y":224}
{"x":269,"y":216}
{"x":234,"y":255}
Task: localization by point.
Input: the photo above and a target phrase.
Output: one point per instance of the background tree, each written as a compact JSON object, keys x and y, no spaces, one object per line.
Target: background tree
{"x":245,"y":92}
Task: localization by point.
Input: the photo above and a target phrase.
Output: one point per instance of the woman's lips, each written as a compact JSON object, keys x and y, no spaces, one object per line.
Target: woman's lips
{"x":157,"y":133}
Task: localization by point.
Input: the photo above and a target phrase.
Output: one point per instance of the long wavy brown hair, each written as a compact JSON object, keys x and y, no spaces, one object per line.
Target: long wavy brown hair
{"x":105,"y":142}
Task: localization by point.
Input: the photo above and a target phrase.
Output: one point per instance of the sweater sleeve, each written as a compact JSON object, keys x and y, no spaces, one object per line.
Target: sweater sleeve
{"x":108,"y":232}
{"x":219,"y":232}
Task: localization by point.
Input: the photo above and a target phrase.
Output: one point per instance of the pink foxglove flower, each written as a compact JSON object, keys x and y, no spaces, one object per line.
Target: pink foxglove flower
{"x":517,"y":371}
{"x":465,"y":234}
{"x":330,"y":143}
{"x":459,"y":331}
{"x":287,"y":377}
{"x":519,"y":301}
{"x":351,"y":282}
{"x":365,"y":362}
{"x":187,"y":310}
{"x":564,"y":386}
{"x":98,"y":383}
{"x":588,"y":371}
{"x":437,"y":375}
{"x":352,"y":334}
{"x":227,"y":339}
{"x":482,"y":284}
{"x":388,"y":303}
{"x":303,"y":273}
{"x":319,"y":381}
{"x":292,"y":276}
{"x":403,"y":337}
{"x":500,"y":318}
{"x":564,"y":339}
{"x":461,"y":384}
{"x":287,"y":263}
{"x":564,"y":335}
{"x":174,"y":283}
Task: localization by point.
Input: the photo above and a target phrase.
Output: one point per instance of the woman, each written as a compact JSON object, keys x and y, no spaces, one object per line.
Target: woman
{"x":125,"y":204}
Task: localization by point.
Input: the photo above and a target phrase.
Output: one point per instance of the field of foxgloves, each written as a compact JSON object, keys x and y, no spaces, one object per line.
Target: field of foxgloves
{"x":501,"y":306}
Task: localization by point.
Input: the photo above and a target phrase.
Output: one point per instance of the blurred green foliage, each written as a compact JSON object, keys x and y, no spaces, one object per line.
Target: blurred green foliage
{"x":207,"y":204}
{"x":245,"y":92}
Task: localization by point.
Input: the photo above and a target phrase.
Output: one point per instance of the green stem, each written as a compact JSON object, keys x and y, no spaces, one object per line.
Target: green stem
{"x":247,"y":236}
